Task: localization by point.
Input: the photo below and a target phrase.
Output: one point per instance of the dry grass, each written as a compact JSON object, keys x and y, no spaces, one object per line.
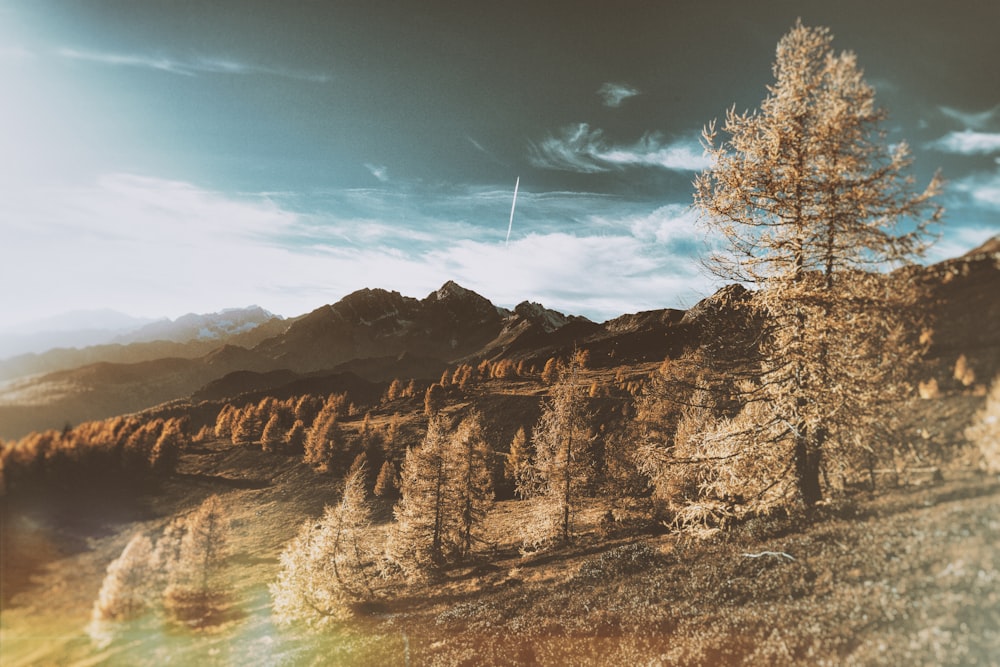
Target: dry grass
{"x":909,"y":577}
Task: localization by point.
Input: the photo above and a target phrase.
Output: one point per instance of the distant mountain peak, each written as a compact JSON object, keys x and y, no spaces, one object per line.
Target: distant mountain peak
{"x":548,"y":319}
{"x":452,"y":289}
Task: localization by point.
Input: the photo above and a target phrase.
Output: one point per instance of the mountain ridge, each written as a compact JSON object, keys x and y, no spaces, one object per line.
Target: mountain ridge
{"x":379,"y":334}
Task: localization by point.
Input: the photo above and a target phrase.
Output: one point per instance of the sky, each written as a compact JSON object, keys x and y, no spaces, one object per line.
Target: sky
{"x":160,"y":157}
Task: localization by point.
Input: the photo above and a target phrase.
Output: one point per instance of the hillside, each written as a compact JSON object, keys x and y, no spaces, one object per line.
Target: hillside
{"x":906,"y":577}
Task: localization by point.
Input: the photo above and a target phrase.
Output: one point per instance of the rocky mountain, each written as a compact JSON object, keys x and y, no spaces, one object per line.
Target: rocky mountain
{"x":218,"y":326}
{"x":375,"y":335}
{"x":449,"y":324}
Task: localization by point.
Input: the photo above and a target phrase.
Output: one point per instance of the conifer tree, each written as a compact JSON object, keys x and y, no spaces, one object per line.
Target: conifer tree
{"x":245,"y":426}
{"x":126,"y":591}
{"x":196,"y":578}
{"x":273,"y":437}
{"x":387,"y":482}
{"x":419,"y":539}
{"x":224,"y":422}
{"x":517,"y":463}
{"x":324,"y":441}
{"x":331,"y":565}
{"x":433,"y":400}
{"x":295,"y":439}
{"x":469,"y":456}
{"x":166,"y":451}
{"x":811,"y":201}
{"x":562,"y":467}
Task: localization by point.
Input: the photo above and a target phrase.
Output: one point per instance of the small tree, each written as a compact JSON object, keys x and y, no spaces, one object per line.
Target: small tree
{"x":196,"y":584}
{"x":469,"y":456}
{"x":433,"y":400}
{"x":419,"y":539}
{"x":517,"y":463}
{"x":331,"y":565}
{"x":274,"y":434}
{"x":295,"y":439}
{"x":324,"y":441}
{"x":128,"y":589}
{"x":387,"y":482}
{"x":550,"y":374}
{"x":224,"y":422}
{"x":562,"y":466}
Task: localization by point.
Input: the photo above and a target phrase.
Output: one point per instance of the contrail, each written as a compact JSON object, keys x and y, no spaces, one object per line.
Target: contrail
{"x":510,"y":224}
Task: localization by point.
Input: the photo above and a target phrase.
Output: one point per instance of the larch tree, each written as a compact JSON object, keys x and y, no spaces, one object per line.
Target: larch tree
{"x":295,"y":439}
{"x":128,"y":589}
{"x":387,"y":482}
{"x":469,"y":457}
{"x":196,"y":578}
{"x":330,"y":565}
{"x":517,"y":462}
{"x":324,"y":440}
{"x":273,"y":437}
{"x":813,"y":205}
{"x":563,"y":464}
{"x":419,"y":540}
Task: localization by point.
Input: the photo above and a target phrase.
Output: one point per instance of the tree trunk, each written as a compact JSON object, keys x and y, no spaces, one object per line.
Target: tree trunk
{"x":807,"y":470}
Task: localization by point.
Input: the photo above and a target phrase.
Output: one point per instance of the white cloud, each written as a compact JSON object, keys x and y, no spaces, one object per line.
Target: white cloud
{"x":968,"y":142}
{"x":188,"y":67}
{"x":614,"y":94}
{"x":154,"y":247}
{"x":579,"y":148}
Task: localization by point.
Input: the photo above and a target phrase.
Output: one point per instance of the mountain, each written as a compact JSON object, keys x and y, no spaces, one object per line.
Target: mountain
{"x":449,"y":324}
{"x":374,"y":335}
{"x":78,"y":328}
{"x":211,"y":326}
{"x":188,"y":337}
{"x":989,"y":247}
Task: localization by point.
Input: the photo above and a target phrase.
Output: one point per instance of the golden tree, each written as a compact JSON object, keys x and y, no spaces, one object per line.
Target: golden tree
{"x":128,"y":588}
{"x":517,"y":462}
{"x":469,"y":456}
{"x":447,"y":488}
{"x":811,"y":202}
{"x":331,"y":565}
{"x":419,"y":539}
{"x":563,"y":465}
{"x":196,"y":584}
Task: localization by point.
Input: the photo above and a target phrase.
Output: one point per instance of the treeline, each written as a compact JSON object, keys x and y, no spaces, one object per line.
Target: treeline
{"x":126,"y":450}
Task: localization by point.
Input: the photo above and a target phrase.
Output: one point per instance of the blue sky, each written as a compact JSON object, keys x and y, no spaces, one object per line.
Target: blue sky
{"x":169,"y":156}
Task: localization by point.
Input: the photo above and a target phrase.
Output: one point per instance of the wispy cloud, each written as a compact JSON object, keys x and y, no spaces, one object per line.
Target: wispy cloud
{"x":190,"y":66}
{"x":614,"y":94}
{"x":972,"y":120}
{"x":982,"y":188}
{"x":580,"y":148}
{"x":155,"y":247}
{"x":379,"y":171}
{"x":968,"y":142}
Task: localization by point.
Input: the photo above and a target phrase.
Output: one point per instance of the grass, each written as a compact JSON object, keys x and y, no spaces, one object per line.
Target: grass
{"x":908,"y":577}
